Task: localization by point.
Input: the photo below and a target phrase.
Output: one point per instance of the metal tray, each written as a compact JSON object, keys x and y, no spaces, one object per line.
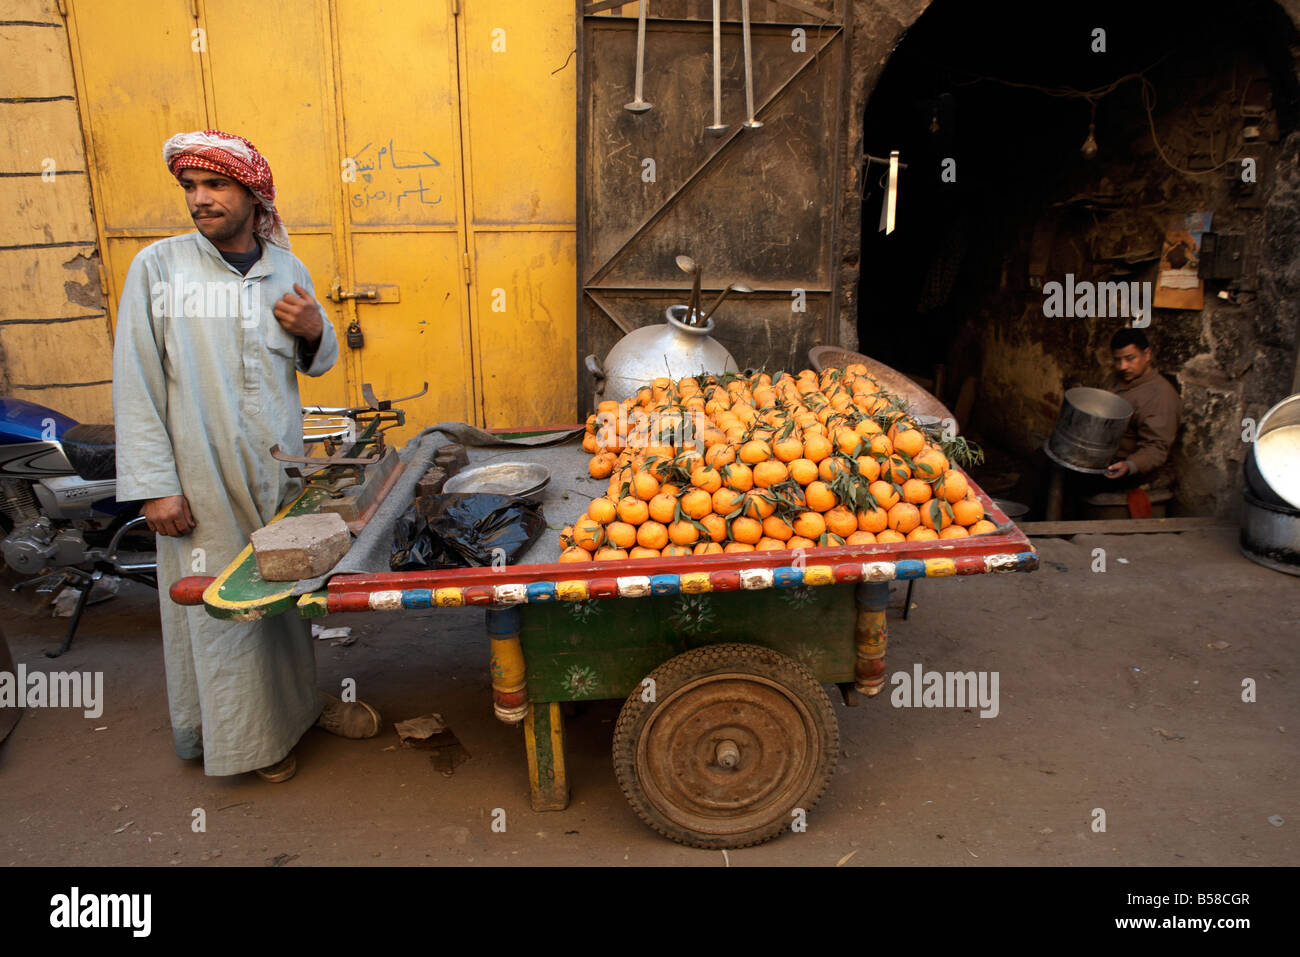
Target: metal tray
{"x":501,"y":478}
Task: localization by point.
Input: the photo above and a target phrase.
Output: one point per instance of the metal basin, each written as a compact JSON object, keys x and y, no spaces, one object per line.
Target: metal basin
{"x":500,"y":478}
{"x":1273,"y":464}
{"x":1088,"y":430}
{"x":1270,"y":535}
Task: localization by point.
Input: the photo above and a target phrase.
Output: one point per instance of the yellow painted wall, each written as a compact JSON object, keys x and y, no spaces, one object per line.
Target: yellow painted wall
{"x":55,"y":345}
{"x":485,"y":88}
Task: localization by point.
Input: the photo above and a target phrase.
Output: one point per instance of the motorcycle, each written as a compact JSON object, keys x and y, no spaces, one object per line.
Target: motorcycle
{"x":59,"y":510}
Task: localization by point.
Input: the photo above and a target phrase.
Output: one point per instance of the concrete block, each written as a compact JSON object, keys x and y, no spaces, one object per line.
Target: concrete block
{"x":302,"y":546}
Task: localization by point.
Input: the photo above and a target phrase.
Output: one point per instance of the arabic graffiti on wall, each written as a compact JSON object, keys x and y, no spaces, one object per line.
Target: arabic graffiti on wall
{"x":389,"y":176}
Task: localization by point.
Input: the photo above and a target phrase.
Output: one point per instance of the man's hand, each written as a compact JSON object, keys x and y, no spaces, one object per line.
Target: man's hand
{"x":1118,"y":469}
{"x":169,"y":516}
{"x":300,"y":315}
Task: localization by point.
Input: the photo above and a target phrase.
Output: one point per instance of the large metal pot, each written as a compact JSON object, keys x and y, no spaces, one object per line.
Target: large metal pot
{"x":1088,"y":430}
{"x":671,"y":348}
{"x":1273,"y":463}
{"x":1270,"y":534}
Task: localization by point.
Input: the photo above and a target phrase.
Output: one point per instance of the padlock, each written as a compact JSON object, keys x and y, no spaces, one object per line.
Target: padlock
{"x":355,"y":338}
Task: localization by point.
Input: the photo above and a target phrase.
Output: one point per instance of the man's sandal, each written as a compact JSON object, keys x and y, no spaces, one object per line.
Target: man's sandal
{"x":348,"y":719}
{"x":281,"y":771}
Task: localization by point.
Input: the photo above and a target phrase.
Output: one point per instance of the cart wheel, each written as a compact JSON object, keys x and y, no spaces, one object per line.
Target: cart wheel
{"x":738,"y":736}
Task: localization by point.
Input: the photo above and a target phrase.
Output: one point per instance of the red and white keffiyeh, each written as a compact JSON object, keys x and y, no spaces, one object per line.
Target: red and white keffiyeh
{"x":237,"y":158}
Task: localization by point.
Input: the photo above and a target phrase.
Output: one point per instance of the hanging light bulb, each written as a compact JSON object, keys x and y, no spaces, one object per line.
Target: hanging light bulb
{"x":1089,"y":147}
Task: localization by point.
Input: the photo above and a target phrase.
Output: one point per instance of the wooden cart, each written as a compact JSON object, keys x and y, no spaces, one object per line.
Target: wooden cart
{"x":727,"y":729}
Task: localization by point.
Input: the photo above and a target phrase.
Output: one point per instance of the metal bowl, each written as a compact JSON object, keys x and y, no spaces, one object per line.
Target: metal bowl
{"x":1273,"y":461}
{"x":501,"y":478}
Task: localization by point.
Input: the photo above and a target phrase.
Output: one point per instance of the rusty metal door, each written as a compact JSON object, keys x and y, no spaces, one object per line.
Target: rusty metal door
{"x":751,"y":205}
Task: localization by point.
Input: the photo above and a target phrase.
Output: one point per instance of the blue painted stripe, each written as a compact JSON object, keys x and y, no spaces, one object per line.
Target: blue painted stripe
{"x":787,"y":577}
{"x":909,"y":568}
{"x":417,"y":598}
{"x":665,"y":585}
{"x":541,"y":592}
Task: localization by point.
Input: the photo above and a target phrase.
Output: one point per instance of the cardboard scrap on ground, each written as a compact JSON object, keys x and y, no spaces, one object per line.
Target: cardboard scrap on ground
{"x":431,"y":732}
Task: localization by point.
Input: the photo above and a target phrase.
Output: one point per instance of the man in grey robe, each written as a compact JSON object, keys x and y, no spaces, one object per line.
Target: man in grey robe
{"x":212,"y":330}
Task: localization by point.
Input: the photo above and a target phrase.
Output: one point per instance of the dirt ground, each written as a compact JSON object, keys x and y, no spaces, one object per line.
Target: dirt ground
{"x":1120,"y":690}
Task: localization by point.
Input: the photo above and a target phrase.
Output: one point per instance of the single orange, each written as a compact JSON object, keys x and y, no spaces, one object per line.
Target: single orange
{"x":881,"y":445}
{"x":904,"y":517}
{"x":907,"y":440}
{"x":610,"y":554}
{"x":885,"y":495}
{"x":873,"y":520}
{"x":757,"y":506}
{"x":776,"y":527}
{"x":816,"y":447}
{"x":955,"y":486}
{"x":696,"y":503}
{"x":716,"y":525}
{"x":769,"y":473}
{"x":800,"y":542}
{"x":916,"y":491}
{"x":652,"y":535}
{"x":840,"y":521}
{"x":888,"y":536}
{"x":897,"y":469}
{"x":601,"y":465}
{"x":738,"y":476}
{"x":983,"y":527}
{"x":809,"y":525}
{"x":787,"y":449}
{"x":632,"y":510}
{"x":621,"y":534}
{"x":803,"y":471}
{"x":747,"y":530}
{"x":738,"y":547}
{"x":706,"y":478}
{"x":868,"y":467}
{"x":683,"y":533}
{"x":936,"y":514}
{"x":727,"y":500}
{"x":640,"y":551}
{"x":588,"y":534}
{"x":967,"y":512}
{"x":922,"y":534}
{"x":861,"y":538}
{"x":677,"y":551}
{"x":645,"y":486}
{"x":954,"y":531}
{"x":820,"y":497}
{"x":575,"y":554}
{"x":663,"y":508}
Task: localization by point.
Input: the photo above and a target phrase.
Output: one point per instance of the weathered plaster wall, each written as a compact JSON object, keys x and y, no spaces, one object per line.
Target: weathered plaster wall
{"x":55,"y":347}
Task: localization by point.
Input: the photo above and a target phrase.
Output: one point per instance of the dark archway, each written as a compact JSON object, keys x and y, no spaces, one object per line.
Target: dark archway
{"x":958,"y":284}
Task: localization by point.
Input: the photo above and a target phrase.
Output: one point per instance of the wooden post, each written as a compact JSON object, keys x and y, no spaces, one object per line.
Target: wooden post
{"x":509,"y":687}
{"x":548,"y":781}
{"x":871,"y":635}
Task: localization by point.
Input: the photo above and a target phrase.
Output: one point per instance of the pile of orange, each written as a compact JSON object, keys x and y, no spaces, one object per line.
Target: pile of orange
{"x":737,"y":463}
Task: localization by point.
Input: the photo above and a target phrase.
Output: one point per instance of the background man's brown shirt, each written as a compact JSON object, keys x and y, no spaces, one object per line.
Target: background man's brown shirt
{"x":1157,"y":410}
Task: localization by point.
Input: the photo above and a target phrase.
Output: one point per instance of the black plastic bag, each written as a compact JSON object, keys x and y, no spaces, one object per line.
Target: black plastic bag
{"x":464,"y":530}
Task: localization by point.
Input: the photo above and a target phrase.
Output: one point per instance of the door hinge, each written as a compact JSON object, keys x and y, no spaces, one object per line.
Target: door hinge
{"x":63,"y":8}
{"x":465,"y":261}
{"x":103,"y":281}
{"x":455,"y":8}
{"x":194,"y":9}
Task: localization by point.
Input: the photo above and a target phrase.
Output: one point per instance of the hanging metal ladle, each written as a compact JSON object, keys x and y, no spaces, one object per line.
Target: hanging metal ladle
{"x":734,"y":287}
{"x":689,"y":266}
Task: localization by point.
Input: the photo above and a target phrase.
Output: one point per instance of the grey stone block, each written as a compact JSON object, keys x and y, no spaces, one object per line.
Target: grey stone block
{"x":303,"y":546}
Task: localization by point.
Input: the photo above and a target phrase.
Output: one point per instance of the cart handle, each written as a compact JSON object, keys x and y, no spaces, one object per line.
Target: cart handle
{"x":189,"y":591}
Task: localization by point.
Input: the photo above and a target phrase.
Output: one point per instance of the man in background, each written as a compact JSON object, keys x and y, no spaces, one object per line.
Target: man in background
{"x":1142,"y":457}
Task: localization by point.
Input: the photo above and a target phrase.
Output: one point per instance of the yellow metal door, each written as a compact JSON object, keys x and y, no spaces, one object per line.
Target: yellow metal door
{"x":423,"y":157}
{"x":518,"y":83}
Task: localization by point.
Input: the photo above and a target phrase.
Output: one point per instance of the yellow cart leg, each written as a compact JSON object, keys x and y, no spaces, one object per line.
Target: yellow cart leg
{"x":548,"y":781}
{"x":871,"y":637}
